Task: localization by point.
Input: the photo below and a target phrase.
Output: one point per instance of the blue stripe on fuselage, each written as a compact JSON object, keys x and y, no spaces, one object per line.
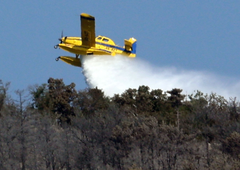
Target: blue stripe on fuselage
{"x":113,"y":46}
{"x":106,"y":51}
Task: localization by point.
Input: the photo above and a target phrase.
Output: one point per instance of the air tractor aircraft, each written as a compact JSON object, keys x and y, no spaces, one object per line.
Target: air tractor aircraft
{"x":88,"y":44}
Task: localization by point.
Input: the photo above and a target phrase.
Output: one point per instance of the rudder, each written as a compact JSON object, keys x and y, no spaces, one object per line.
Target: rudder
{"x":131,"y":45}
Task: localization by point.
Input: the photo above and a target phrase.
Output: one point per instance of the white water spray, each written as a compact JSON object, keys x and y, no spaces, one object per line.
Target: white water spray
{"x":116,"y":74}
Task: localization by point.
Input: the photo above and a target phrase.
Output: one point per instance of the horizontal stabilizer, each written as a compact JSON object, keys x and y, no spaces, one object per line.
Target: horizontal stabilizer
{"x":130,"y":45}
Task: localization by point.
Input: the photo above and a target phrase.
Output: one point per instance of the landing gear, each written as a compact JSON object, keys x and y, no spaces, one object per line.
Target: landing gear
{"x":57,"y":58}
{"x":56,"y":46}
{"x":77,"y":55}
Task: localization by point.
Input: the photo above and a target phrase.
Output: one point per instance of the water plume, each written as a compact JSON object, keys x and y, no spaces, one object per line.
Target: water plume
{"x":116,"y":74}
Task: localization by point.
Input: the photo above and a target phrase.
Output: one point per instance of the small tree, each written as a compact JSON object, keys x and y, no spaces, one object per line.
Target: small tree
{"x":3,"y":93}
{"x":231,"y":145}
{"x":176,"y":99}
{"x":56,"y":98}
{"x":91,"y":101}
{"x":40,"y":97}
{"x":62,"y":97}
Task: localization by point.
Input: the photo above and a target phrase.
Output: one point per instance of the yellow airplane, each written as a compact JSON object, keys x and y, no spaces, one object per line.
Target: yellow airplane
{"x":88,"y":44}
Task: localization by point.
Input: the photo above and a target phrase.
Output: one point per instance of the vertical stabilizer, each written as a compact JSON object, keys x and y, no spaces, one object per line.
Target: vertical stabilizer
{"x":131,"y":45}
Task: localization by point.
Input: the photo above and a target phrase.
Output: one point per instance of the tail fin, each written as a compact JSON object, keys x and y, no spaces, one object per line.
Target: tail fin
{"x":131,"y":45}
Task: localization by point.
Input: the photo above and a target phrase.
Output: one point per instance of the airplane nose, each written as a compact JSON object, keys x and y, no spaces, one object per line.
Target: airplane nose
{"x":62,"y":39}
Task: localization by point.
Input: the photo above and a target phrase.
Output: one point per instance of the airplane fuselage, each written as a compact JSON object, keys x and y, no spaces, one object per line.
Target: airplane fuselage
{"x":103,"y":46}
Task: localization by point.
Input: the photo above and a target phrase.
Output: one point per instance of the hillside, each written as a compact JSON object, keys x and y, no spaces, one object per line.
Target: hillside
{"x":54,"y":126}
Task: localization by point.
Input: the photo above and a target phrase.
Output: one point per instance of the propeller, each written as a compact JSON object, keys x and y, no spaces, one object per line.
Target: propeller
{"x":61,"y":40}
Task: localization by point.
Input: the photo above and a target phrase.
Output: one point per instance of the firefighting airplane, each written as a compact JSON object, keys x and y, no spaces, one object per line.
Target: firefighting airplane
{"x":88,"y":44}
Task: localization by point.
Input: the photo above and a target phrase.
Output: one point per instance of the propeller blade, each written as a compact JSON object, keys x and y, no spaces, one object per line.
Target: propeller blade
{"x":61,"y":39}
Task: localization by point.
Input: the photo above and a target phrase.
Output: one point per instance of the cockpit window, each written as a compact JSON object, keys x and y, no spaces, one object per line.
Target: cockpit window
{"x":105,"y":40}
{"x":99,"y":38}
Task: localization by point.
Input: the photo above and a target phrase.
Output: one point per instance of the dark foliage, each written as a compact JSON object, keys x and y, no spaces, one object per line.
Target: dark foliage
{"x":139,"y":129}
{"x":3,"y":94}
{"x":231,"y":145}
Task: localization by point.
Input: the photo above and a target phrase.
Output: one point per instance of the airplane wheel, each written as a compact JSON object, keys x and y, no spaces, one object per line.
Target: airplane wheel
{"x":56,"y":46}
{"x":57,"y":59}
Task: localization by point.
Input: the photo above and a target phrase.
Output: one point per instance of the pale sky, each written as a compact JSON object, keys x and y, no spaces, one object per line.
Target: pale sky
{"x":191,"y":35}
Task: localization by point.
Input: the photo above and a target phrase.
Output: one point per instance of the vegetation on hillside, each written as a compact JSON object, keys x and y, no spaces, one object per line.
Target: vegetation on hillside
{"x":53,"y":126}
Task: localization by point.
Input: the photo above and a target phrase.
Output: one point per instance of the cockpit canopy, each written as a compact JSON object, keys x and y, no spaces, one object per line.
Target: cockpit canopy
{"x":105,"y":40}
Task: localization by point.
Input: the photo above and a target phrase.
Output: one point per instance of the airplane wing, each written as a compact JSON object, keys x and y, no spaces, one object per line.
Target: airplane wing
{"x":88,"y":30}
